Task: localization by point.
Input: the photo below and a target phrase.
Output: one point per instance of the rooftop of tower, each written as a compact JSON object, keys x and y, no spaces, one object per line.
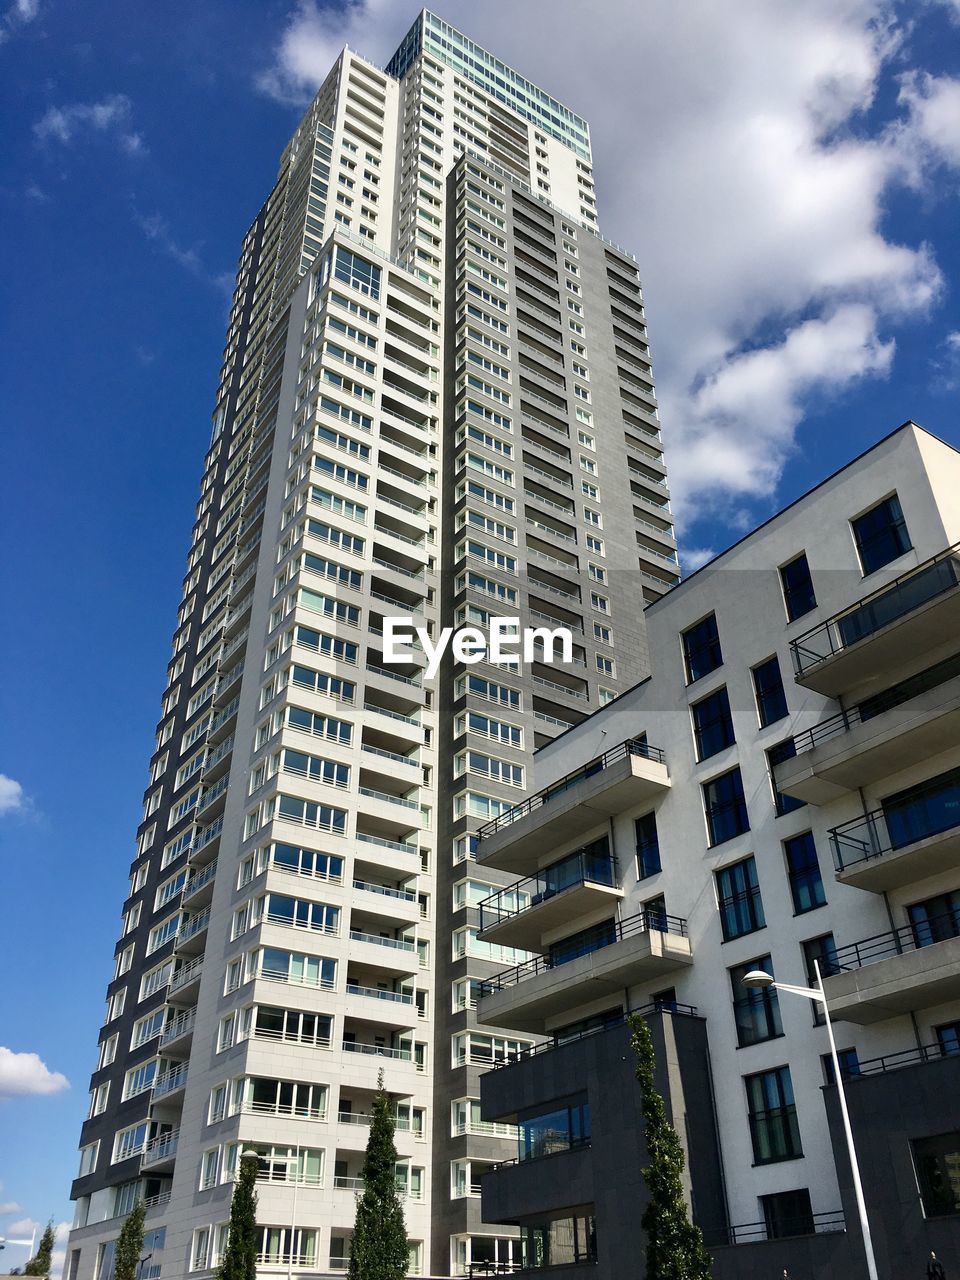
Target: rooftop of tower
{"x":431,"y":34}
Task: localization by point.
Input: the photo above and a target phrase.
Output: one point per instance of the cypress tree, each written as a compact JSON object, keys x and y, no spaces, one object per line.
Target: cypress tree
{"x":240,"y":1256}
{"x":675,"y":1248}
{"x":39,"y":1264}
{"x":130,"y":1244}
{"x":379,"y":1250}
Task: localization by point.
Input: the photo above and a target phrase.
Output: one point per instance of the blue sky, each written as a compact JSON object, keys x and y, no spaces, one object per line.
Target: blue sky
{"x":786,"y":175}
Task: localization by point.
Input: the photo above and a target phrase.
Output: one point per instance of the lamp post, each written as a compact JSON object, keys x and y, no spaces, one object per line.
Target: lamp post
{"x":758,"y":979}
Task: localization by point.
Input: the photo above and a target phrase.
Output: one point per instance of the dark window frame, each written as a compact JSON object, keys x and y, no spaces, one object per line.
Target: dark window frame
{"x":765,"y":695}
{"x":799,"y":598}
{"x":870,"y":545}
{"x":708,"y":648}
{"x":720,"y":721}
{"x":735,"y":804}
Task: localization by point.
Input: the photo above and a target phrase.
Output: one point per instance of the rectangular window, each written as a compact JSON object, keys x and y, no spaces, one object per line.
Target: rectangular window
{"x":782,"y":802}
{"x":712,"y":724}
{"x":787,"y":1214}
{"x":648,"y":846}
{"x":936,"y":1160}
{"x":701,"y":649}
{"x":738,"y":894}
{"x":797,"y":585}
{"x":823,"y":950}
{"x":768,"y":688}
{"x":803,"y":871}
{"x":880,"y":534}
{"x":772,"y":1113}
{"x":849,"y":1065}
{"x":756,"y":1011}
{"x":725,"y":807}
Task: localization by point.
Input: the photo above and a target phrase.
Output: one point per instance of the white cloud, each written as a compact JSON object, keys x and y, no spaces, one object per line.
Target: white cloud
{"x":747,"y":155}
{"x":18,"y":15}
{"x":12,"y":799}
{"x":9,"y":1206}
{"x":110,"y":117}
{"x":159,"y":232}
{"x":23,"y":1074}
{"x":23,"y":1228}
{"x":934,"y":114}
{"x":695,"y":558}
{"x":314,"y":36}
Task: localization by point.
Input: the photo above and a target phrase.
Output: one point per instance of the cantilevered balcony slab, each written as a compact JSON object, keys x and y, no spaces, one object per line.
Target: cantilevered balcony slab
{"x":629,"y":774}
{"x":527,"y":928}
{"x":840,"y":757}
{"x":905,"y":982}
{"x":523,"y":999}
{"x":561,"y":894}
{"x":874,"y":638}
{"x":915,"y":835}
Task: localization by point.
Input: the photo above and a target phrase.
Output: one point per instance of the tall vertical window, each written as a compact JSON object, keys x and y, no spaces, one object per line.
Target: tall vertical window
{"x":648,"y":845}
{"x":803,"y":871}
{"x":772,"y":1113}
{"x":701,"y":649}
{"x":768,"y":688}
{"x":823,"y":950}
{"x":712,"y":724}
{"x":880,"y":534}
{"x":725,"y":807}
{"x":738,"y":893}
{"x":796,"y":581}
{"x":782,"y":802}
{"x":756,"y":1011}
{"x":948,"y":1038}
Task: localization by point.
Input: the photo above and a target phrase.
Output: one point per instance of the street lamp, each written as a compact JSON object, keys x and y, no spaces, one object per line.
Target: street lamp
{"x":757,"y":978}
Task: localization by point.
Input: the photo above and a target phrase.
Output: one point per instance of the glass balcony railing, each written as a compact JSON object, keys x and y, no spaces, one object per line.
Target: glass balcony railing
{"x":917,"y":587}
{"x":928,"y":810}
{"x":589,"y":865}
{"x":624,"y":751}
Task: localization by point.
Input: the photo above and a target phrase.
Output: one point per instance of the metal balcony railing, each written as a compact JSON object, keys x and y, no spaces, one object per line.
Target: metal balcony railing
{"x":170,"y":1080}
{"x":912,"y":589}
{"x":605,"y":936}
{"x":802,"y":1225}
{"x":578,"y":868}
{"x":894,"y":942}
{"x":623,"y":751}
{"x":930,"y":810}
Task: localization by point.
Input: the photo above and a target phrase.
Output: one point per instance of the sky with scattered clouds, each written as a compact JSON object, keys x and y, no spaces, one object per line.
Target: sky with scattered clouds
{"x":786,"y":174}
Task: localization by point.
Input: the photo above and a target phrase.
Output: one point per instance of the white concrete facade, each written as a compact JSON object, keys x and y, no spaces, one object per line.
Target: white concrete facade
{"x":289,"y":899}
{"x":907,"y":1005}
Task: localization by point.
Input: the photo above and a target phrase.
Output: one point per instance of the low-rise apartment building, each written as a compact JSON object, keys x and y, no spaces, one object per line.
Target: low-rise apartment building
{"x":783,"y":789}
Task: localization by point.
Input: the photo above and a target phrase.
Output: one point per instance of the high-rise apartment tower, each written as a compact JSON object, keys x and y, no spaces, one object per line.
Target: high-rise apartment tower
{"x":436,"y":403}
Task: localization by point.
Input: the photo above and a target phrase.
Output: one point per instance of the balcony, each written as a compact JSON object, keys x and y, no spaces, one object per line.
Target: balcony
{"x":628,"y":774}
{"x":863,"y":744}
{"x":614,"y":955}
{"x":170,"y":1082}
{"x":914,"y":835}
{"x":523,"y":914}
{"x":902,"y":971}
{"x":873,"y":638}
{"x":179,"y":1028}
{"x":160,"y":1150}
{"x":193,"y":933}
{"x":185,"y":981}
